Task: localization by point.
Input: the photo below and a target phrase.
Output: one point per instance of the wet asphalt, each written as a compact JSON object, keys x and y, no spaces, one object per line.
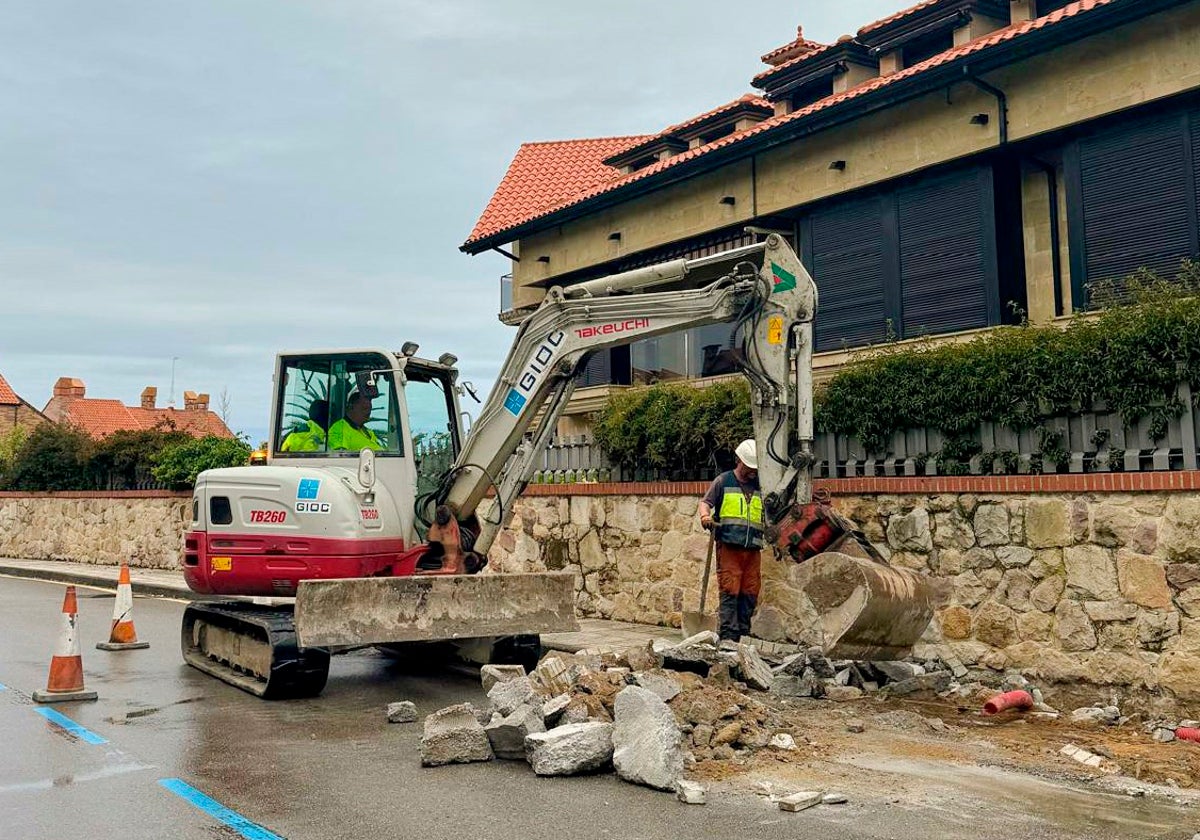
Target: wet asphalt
{"x":330,"y":767}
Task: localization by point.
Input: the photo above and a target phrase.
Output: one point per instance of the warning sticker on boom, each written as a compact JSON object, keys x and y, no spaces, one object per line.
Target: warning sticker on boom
{"x":775,"y":329}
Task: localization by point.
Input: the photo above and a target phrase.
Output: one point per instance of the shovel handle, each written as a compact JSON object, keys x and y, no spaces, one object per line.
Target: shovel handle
{"x":712,"y":539}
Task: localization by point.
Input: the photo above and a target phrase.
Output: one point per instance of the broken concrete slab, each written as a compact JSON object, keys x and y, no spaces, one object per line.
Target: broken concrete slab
{"x":784,"y":685}
{"x":664,"y":685}
{"x":691,"y":793}
{"x":571,"y":749}
{"x":454,"y":736}
{"x":489,"y":675}
{"x":403,"y":712}
{"x":509,"y":695}
{"x":897,"y":671}
{"x":834,"y":799}
{"x":647,"y":742}
{"x":507,"y":734}
{"x":782,"y":741}
{"x":552,"y":709}
{"x":755,"y":672}
{"x":800,"y":801}
{"x":819,"y":662}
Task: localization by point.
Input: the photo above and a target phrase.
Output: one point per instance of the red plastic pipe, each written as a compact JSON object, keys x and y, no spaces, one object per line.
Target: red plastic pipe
{"x":1008,"y":700}
{"x":1187,"y":733}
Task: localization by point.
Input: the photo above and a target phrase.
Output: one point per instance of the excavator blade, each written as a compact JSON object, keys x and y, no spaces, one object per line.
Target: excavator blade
{"x":868,"y":610}
{"x":386,"y":610}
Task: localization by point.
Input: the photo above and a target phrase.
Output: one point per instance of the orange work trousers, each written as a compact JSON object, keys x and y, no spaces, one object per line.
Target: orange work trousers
{"x":738,"y":570}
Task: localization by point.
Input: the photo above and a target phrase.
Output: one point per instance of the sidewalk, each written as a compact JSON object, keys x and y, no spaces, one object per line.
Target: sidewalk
{"x":593,"y":634}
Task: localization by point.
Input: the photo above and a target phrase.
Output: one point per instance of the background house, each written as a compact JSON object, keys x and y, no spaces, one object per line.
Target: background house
{"x":948,"y":169}
{"x":14,"y":411}
{"x":100,"y":417}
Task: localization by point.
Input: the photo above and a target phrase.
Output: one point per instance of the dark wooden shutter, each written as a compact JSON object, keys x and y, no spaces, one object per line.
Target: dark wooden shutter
{"x":846,"y":252}
{"x":1135,"y":202}
{"x":947,"y":253}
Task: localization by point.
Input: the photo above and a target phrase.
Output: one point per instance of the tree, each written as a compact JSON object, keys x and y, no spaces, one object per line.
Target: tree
{"x":179,"y":464}
{"x":53,"y":457}
{"x":224,"y":403}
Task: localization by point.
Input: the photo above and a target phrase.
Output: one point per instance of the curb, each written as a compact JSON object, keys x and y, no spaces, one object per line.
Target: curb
{"x":158,"y":590}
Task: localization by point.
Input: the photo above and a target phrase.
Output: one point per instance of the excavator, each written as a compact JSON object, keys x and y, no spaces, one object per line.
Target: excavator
{"x":370,"y":522}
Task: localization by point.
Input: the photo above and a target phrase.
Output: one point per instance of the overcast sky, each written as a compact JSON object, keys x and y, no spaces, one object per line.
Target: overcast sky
{"x":223,"y":179}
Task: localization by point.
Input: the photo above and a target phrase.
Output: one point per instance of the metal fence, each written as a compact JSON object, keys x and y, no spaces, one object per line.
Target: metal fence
{"x":1090,"y":441}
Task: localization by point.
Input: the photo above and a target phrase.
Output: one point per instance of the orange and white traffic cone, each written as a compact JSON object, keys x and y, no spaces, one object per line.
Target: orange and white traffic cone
{"x":66,"y":666}
{"x":123,"y":636}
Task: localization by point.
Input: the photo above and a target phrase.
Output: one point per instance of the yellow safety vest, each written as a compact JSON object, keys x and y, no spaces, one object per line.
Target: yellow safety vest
{"x":739,"y":520}
{"x":311,"y":439}
{"x":344,"y":436}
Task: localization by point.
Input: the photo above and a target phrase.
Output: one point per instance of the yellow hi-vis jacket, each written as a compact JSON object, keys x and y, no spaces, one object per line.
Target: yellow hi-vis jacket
{"x":310,"y":439}
{"x":739,"y":520}
{"x":344,"y":436}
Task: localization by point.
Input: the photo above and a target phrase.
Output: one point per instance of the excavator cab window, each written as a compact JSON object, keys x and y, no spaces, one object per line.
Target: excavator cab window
{"x":435,"y":434}
{"x":337,"y":406}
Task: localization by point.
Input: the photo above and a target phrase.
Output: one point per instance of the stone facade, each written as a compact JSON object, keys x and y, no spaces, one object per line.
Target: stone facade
{"x":1102,"y":587}
{"x":144,"y":528}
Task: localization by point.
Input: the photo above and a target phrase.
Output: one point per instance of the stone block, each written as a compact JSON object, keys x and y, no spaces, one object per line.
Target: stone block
{"x":842,"y":692}
{"x":1073,"y":628}
{"x":1046,"y":523}
{"x":1179,"y":535}
{"x":896,"y":671}
{"x":1113,"y":525}
{"x":910,"y":532}
{"x":571,"y":749}
{"x":647,"y":743}
{"x":403,"y":712}
{"x":1112,"y":668}
{"x":1110,"y":611}
{"x":787,"y":685}
{"x":592,"y":556}
{"x":507,"y":734}
{"x":1091,"y":572}
{"x":454,"y":736}
{"x":1183,"y":575}
{"x":955,"y":622}
{"x":755,"y":672}
{"x":552,"y":709}
{"x":1046,"y":563}
{"x":1046,"y":595}
{"x":1034,"y":626}
{"x":1188,"y":602}
{"x":1012,"y":556}
{"x":1143,"y":580}
{"x":510,"y":695}
{"x":691,"y":793}
{"x":489,"y":675}
{"x":1156,"y":629}
{"x":664,"y":685}
{"x":968,"y":589}
{"x":995,"y":625}
{"x":992,"y":525}
{"x":834,"y":799}
{"x":1179,"y":673}
{"x":1014,"y":590}
{"x":800,"y":801}
{"x":951,"y":530}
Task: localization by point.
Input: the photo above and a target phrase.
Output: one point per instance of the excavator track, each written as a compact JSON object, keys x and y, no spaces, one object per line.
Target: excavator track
{"x":252,"y":648}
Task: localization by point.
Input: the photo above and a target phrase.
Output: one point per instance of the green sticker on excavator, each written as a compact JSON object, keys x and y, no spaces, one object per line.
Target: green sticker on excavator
{"x":784,"y":280}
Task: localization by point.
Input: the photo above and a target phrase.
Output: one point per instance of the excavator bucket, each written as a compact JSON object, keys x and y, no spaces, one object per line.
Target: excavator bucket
{"x":869,"y":611}
{"x":420,"y":608}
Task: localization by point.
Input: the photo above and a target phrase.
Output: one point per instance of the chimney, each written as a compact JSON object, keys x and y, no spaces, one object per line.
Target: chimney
{"x":195,"y":402}
{"x":149,"y":396}
{"x":67,"y":386}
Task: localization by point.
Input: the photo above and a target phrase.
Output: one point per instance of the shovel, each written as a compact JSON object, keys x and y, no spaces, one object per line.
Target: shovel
{"x":698,"y":622}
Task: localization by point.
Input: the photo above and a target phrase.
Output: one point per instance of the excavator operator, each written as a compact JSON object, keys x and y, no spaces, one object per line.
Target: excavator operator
{"x":351,"y":432}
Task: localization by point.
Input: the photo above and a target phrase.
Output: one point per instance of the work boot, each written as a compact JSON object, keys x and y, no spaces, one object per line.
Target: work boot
{"x":745,"y":612}
{"x":730,"y":625}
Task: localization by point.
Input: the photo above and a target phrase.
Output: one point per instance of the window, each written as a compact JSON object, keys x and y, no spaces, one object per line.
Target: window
{"x":432,"y":425}
{"x":337,"y":406}
{"x":921,"y":49}
{"x":219,"y":511}
{"x":659,"y":359}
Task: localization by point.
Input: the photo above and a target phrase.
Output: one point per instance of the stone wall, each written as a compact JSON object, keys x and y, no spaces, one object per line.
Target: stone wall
{"x":1095,"y":587}
{"x":144,"y":527}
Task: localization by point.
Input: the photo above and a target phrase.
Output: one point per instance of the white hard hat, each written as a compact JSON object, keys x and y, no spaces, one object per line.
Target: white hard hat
{"x":747,"y":453}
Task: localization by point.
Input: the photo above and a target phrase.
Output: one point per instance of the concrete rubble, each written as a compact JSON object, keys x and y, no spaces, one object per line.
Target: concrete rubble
{"x":647,"y":741}
{"x":403,"y":712}
{"x":507,"y":733}
{"x":691,"y":793}
{"x":571,"y":749}
{"x":800,"y":801}
{"x":454,"y":736}
{"x":492,"y":674}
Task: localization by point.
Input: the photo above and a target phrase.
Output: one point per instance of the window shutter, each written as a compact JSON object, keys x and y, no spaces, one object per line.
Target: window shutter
{"x":597,"y":370}
{"x":947,"y":253}
{"x":847,"y":263}
{"x":1135,"y":202}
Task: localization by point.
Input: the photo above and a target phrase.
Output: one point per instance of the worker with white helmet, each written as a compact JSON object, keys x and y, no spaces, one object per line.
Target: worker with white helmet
{"x":733,"y":507}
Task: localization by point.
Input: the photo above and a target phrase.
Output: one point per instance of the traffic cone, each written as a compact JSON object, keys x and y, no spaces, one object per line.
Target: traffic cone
{"x":123,"y":636}
{"x":66,"y":666}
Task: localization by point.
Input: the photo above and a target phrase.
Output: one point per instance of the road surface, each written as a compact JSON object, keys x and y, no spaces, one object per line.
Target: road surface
{"x":169,"y":752}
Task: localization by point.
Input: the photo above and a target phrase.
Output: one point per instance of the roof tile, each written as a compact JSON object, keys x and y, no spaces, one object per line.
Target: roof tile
{"x":7,"y":395}
{"x":499,"y":218}
{"x":99,"y":417}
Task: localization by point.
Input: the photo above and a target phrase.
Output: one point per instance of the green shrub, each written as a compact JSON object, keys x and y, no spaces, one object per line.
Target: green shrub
{"x":52,"y":457}
{"x":178,"y":465}
{"x":125,"y":459}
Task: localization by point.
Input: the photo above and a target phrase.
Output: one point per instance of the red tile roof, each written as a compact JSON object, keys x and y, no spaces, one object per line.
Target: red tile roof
{"x":800,"y":43}
{"x":900,"y":15}
{"x":7,"y":395}
{"x":543,"y":175}
{"x":103,"y":417}
{"x":501,"y":217}
{"x":744,"y":99}
{"x":782,"y":67}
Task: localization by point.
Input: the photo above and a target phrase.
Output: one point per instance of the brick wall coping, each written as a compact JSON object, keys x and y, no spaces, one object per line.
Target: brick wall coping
{"x":1140,"y":482}
{"x":97,"y":494}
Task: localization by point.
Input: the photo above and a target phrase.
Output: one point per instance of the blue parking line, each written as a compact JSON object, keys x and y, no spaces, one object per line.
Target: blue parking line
{"x":71,"y":726}
{"x":243,"y":826}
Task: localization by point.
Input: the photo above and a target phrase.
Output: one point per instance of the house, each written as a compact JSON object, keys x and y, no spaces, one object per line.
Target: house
{"x":956,"y":166}
{"x":100,"y":417}
{"x":14,"y":411}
